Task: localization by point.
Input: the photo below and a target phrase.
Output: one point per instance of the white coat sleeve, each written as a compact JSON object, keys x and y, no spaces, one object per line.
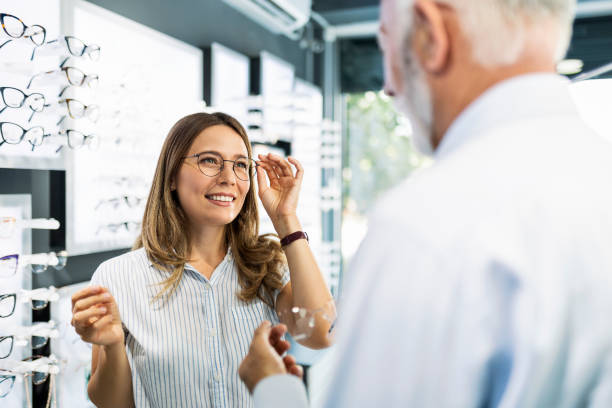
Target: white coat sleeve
{"x":280,"y":391}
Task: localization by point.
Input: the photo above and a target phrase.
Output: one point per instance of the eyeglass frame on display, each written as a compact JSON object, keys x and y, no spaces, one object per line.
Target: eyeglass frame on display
{"x":250,"y":173}
{"x":23,"y":32}
{"x":34,"y":223}
{"x":116,"y":201}
{"x":61,"y":257}
{"x":14,"y":339}
{"x":23,"y":101}
{"x":117,"y":226}
{"x":4,"y":377}
{"x":24,"y":132}
{"x":87,"y":78}
{"x":86,"y":140}
{"x":8,"y":296}
{"x":83,"y":52}
{"x":67,"y":101}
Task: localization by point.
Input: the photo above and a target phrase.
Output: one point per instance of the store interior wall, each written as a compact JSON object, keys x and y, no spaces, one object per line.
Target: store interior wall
{"x":196,"y":22}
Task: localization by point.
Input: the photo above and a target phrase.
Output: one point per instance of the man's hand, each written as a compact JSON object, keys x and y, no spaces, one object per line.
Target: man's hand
{"x":265,"y":356}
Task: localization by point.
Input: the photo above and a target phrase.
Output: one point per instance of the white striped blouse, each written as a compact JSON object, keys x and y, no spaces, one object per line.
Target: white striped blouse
{"x":184,"y":352}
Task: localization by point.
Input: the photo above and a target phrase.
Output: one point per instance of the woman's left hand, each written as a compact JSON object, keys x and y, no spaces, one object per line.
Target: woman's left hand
{"x":280,"y":198}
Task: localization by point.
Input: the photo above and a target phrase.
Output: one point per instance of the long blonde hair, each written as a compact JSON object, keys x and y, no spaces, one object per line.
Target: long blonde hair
{"x":165,"y":233}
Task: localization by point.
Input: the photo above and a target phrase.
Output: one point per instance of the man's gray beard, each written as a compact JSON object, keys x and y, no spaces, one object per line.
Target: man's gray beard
{"x":415,"y":103}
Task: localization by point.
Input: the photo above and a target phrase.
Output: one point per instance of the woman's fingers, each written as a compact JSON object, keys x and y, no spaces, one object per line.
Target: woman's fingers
{"x":272,"y":175}
{"x":83,"y":293}
{"x":87,"y":302}
{"x":100,"y":323}
{"x":281,"y":164}
{"x":299,"y":174}
{"x":84,"y":318}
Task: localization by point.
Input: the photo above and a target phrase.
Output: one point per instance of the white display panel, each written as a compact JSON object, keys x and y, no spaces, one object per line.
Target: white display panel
{"x":148,"y":81}
{"x":73,"y":352}
{"x":277,"y":80}
{"x":19,"y":207}
{"x":16,"y":69}
{"x":594,"y":103}
{"x":229,"y":81}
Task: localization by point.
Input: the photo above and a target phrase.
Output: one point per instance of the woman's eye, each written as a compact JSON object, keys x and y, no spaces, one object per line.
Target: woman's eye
{"x":209,"y":160}
{"x":242,"y":165}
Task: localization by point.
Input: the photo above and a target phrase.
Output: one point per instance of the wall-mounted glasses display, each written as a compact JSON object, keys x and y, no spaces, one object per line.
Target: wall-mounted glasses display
{"x":16,"y":29}
{"x":15,"y":98}
{"x":8,"y":225}
{"x":13,"y":133}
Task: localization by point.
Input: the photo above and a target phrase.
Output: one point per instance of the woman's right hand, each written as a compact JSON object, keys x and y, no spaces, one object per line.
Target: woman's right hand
{"x":95,"y":316}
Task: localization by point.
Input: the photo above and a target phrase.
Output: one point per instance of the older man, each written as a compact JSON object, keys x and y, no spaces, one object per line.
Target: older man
{"x":486,"y":280}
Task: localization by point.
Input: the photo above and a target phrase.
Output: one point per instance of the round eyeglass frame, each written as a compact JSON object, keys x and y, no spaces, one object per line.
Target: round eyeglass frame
{"x":251,"y":172}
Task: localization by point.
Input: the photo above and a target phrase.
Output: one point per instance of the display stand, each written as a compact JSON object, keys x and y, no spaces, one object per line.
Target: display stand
{"x":18,"y":206}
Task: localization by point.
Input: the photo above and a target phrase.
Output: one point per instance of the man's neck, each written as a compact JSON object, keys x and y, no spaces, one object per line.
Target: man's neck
{"x":452,"y":101}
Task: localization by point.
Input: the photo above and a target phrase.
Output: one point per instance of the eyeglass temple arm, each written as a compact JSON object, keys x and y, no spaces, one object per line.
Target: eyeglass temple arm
{"x":4,"y":43}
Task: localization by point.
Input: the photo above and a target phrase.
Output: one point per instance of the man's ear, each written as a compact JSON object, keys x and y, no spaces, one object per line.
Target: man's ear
{"x":431,"y":39}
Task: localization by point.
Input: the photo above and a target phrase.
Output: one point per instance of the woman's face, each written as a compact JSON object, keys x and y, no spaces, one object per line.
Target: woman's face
{"x":216,"y":200}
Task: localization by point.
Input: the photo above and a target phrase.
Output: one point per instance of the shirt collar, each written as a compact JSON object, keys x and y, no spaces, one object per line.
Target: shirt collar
{"x":521,"y":97}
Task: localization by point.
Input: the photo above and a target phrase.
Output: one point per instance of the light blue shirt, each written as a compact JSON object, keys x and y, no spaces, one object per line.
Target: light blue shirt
{"x":486,"y":280}
{"x":186,"y":352}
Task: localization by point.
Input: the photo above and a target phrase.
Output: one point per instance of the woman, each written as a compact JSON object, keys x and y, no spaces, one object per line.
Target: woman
{"x":171,"y":320}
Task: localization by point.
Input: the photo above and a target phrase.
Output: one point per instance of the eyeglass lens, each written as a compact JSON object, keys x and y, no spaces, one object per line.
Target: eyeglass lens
{"x":211,"y":164}
{"x":7,"y":305}
{"x":6,"y":346}
{"x":7,"y":227}
{"x":12,"y":26}
{"x":37,"y":34}
{"x":6,"y":384}
{"x":8,"y":266}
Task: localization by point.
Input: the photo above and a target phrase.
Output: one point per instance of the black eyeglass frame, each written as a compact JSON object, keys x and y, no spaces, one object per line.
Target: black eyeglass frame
{"x":23,"y":101}
{"x":11,"y":339}
{"x":8,"y":296}
{"x":251,"y":171}
{"x":23,"y":133}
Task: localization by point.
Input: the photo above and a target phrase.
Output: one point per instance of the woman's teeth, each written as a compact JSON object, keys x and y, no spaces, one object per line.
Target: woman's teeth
{"x":221,"y":198}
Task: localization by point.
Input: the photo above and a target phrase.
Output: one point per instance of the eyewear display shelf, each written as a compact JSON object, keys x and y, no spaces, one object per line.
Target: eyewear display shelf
{"x":19,"y":241}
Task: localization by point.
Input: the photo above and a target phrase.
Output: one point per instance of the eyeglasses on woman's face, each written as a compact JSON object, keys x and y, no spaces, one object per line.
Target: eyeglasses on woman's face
{"x":211,"y":164}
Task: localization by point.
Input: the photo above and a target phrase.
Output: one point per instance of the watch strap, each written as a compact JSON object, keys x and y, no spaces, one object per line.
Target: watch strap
{"x":294,"y":237}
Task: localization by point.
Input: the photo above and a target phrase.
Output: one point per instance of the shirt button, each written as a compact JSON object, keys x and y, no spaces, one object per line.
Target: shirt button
{"x":217,"y":377}
{"x":212,"y":332}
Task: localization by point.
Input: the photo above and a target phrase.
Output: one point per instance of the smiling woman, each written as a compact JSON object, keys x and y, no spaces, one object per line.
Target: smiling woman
{"x":200,"y":279}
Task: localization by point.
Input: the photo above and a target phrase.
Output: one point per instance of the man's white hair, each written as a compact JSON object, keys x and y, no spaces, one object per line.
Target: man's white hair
{"x":499,"y":29}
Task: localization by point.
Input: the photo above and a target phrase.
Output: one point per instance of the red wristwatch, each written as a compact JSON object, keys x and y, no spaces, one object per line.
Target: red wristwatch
{"x":293,"y":237}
